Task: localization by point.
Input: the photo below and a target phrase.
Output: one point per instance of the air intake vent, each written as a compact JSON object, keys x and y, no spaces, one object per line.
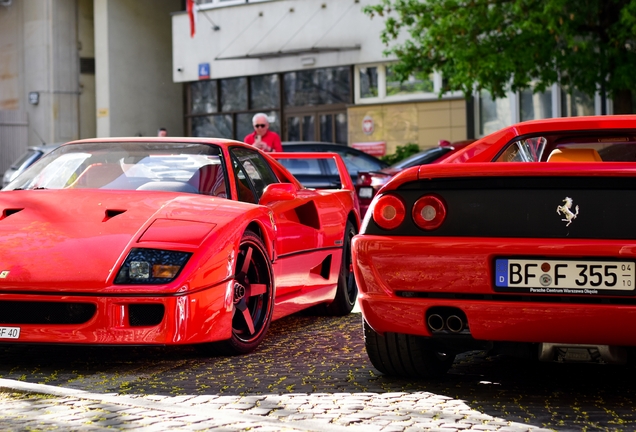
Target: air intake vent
{"x":140,"y":315}
{"x":25,"y":312}
{"x":112,"y":213}
{"x":8,"y":212}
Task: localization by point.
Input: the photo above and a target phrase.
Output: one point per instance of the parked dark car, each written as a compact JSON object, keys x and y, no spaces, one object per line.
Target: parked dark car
{"x":25,"y":160}
{"x":370,"y":182}
{"x":321,"y":174}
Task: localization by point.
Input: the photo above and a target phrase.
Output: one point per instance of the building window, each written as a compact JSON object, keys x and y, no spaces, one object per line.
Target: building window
{"x":218,"y":126}
{"x":317,"y":87}
{"x":204,"y":97}
{"x":238,"y":99}
{"x":378,"y":83}
{"x":315,"y":103}
{"x":368,"y":77}
{"x":265,"y":92}
{"x":494,"y":114}
{"x":576,"y":104}
{"x":535,"y":105}
{"x":418,"y":83}
{"x":234,"y":94}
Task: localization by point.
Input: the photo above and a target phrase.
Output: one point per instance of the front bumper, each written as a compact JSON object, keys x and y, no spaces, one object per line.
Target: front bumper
{"x":401,"y":278}
{"x":203,"y":316}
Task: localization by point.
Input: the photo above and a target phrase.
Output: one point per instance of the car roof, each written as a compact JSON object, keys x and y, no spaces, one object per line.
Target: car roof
{"x":485,"y":149}
{"x":330,"y":147}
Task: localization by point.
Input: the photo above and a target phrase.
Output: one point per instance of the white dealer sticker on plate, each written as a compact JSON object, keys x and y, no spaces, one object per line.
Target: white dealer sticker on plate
{"x":565,"y":276}
{"x":9,"y":332}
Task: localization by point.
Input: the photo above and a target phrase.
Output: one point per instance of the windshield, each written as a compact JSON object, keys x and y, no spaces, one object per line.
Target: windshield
{"x":175,"y":167}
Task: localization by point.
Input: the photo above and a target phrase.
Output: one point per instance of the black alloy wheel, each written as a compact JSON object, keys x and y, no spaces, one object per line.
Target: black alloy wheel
{"x":347,"y":291}
{"x":253,"y":296}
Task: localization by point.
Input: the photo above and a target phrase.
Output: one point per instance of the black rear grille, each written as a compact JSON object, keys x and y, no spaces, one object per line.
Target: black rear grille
{"x":140,"y":315}
{"x":30,"y":312}
{"x":525,"y":207}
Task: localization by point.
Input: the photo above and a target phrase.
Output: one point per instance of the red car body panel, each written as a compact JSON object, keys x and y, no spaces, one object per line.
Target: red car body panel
{"x":369,"y":179}
{"x":402,"y":276}
{"x":67,"y":245}
{"x":486,"y":148}
{"x":385,"y":265}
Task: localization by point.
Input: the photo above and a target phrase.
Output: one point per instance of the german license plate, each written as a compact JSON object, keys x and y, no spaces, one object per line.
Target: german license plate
{"x":365,"y":192}
{"x":9,"y":332}
{"x":565,"y":276}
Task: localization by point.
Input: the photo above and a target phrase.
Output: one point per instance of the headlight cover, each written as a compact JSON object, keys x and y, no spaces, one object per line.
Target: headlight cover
{"x":151,"y":266}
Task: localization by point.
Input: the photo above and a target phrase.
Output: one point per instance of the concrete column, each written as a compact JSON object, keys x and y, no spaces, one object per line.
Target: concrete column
{"x":38,"y":55}
{"x":102,"y":68}
{"x":133,"y":60}
{"x":51,"y":68}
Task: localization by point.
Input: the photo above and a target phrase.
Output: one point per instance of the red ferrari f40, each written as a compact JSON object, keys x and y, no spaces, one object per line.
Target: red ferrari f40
{"x":169,"y":241}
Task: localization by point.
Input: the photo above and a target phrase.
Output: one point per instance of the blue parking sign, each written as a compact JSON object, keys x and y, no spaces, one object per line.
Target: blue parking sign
{"x":204,"y":71}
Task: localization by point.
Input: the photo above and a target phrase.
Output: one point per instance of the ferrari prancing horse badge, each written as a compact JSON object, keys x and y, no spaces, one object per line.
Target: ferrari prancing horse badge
{"x":566,"y":211}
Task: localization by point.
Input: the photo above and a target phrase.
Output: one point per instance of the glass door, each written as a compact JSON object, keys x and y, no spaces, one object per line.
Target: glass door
{"x":326,"y":126}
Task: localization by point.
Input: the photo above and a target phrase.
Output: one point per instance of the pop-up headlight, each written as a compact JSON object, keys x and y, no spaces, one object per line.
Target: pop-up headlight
{"x":151,"y":266}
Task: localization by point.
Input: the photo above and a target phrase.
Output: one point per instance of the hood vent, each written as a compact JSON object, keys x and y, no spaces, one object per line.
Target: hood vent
{"x":112,"y":213}
{"x":8,"y":212}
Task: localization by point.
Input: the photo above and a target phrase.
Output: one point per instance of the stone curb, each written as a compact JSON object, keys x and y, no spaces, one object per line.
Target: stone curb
{"x":152,"y":405}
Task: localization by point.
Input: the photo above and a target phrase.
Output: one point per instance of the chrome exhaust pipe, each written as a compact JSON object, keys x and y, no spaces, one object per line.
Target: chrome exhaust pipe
{"x":454,"y":324}
{"x":435,"y":322}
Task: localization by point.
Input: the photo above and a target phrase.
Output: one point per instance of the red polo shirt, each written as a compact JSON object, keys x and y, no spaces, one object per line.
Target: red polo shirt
{"x":270,"y":138}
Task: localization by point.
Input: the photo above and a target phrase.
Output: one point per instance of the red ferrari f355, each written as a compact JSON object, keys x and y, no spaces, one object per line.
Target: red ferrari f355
{"x":526,"y":247}
{"x":169,"y":241}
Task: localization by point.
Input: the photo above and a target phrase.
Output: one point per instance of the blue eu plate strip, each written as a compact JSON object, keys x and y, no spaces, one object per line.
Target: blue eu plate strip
{"x":501,"y":272}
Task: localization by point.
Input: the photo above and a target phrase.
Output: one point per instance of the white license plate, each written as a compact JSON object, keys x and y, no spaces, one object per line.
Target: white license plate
{"x":9,"y":332}
{"x":365,"y":192}
{"x":565,"y":276}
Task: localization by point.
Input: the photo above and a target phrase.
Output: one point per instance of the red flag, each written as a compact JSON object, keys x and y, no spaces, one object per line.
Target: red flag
{"x":192,"y":13}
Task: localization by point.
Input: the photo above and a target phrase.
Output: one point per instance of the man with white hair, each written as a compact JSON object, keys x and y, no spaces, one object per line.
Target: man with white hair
{"x":263,"y":138}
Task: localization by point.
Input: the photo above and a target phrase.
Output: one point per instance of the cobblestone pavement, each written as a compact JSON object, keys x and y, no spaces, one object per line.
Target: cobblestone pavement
{"x":310,"y":374}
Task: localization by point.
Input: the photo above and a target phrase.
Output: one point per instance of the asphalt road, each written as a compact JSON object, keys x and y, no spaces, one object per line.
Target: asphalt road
{"x":311,"y":373}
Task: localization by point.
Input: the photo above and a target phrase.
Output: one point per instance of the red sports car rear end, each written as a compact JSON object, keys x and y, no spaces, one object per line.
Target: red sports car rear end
{"x":518,"y":258}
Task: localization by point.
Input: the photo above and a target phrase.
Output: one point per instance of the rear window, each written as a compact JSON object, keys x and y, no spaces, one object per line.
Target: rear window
{"x":581,"y":147}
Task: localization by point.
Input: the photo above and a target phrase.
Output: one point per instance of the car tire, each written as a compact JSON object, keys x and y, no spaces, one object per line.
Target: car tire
{"x":253,"y":298}
{"x":347,"y":291}
{"x":405,"y":355}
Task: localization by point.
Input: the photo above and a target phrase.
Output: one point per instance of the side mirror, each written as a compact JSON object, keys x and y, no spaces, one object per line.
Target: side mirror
{"x":278,"y":192}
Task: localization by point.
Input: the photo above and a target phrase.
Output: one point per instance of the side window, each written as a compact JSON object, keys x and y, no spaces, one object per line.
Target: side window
{"x":525,"y":150}
{"x":252,"y":172}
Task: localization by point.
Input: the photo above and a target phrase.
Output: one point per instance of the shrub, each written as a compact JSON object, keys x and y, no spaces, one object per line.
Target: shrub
{"x":401,"y":152}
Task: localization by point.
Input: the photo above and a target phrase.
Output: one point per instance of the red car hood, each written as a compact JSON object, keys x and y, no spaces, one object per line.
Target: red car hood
{"x":73,"y":239}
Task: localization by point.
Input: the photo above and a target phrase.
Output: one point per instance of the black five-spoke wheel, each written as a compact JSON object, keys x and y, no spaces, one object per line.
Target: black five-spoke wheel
{"x":347,"y":292}
{"x":253,"y":296}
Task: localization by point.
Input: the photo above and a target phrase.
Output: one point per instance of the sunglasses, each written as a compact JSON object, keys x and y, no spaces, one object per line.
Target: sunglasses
{"x":260,"y":125}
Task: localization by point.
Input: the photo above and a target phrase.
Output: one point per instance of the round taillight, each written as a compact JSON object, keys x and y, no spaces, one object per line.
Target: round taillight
{"x":389,"y":212}
{"x":429,"y":212}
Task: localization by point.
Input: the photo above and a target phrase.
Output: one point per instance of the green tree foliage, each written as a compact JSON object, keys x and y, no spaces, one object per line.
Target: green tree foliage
{"x":401,"y":152}
{"x":500,"y":45}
